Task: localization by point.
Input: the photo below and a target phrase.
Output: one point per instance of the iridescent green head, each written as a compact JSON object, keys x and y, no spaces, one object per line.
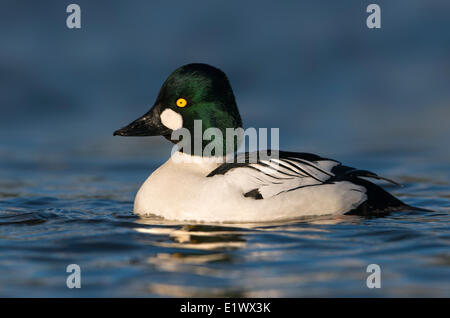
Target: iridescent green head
{"x":191,"y":93}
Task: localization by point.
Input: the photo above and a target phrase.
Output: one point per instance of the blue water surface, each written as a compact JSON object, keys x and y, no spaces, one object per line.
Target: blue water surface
{"x":374,"y":99}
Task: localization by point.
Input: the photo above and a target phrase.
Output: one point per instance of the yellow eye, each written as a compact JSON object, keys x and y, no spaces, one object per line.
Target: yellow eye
{"x":181,"y":102}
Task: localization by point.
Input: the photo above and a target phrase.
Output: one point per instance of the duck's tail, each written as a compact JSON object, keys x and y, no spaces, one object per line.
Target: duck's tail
{"x":379,"y":202}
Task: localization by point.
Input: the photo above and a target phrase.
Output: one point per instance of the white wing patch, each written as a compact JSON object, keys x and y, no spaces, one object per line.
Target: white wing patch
{"x":274,"y":176}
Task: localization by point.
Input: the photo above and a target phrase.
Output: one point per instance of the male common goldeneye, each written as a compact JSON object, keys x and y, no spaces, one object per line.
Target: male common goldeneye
{"x":291,"y":186}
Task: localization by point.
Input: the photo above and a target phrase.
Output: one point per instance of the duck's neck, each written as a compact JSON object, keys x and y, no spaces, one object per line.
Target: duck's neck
{"x":196,"y":162}
{"x":202,"y":138}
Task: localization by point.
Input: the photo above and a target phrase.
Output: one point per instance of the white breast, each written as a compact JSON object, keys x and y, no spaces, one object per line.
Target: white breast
{"x":181,"y":191}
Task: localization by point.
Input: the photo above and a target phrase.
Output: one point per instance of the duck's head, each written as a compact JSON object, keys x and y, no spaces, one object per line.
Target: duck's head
{"x":192,"y":92}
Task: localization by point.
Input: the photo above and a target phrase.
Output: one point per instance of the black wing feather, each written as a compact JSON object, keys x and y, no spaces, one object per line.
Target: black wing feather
{"x":378,"y":200}
{"x":248,"y":158}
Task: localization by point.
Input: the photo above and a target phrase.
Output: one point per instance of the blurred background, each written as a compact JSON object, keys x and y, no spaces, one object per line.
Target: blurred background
{"x":375,"y":99}
{"x":311,"y":68}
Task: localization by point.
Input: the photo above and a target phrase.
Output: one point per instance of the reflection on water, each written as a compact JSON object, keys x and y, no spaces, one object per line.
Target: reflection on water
{"x":203,"y":238}
{"x":49,"y":219}
{"x":228,"y":252}
{"x":375,"y":100}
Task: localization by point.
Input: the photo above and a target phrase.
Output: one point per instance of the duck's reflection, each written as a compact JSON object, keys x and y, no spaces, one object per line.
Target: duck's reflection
{"x":198,"y":237}
{"x":201,"y":251}
{"x":213,"y":253}
{"x":222,"y":240}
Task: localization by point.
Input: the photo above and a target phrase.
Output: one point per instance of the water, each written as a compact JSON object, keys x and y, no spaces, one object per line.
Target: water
{"x":374,"y":99}
{"x":53,"y":215}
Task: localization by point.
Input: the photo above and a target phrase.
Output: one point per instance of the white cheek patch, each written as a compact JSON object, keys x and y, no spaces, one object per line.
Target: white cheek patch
{"x":171,"y":119}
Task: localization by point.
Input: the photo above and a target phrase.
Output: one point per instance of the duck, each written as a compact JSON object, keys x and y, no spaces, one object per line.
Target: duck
{"x":276,"y":186}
